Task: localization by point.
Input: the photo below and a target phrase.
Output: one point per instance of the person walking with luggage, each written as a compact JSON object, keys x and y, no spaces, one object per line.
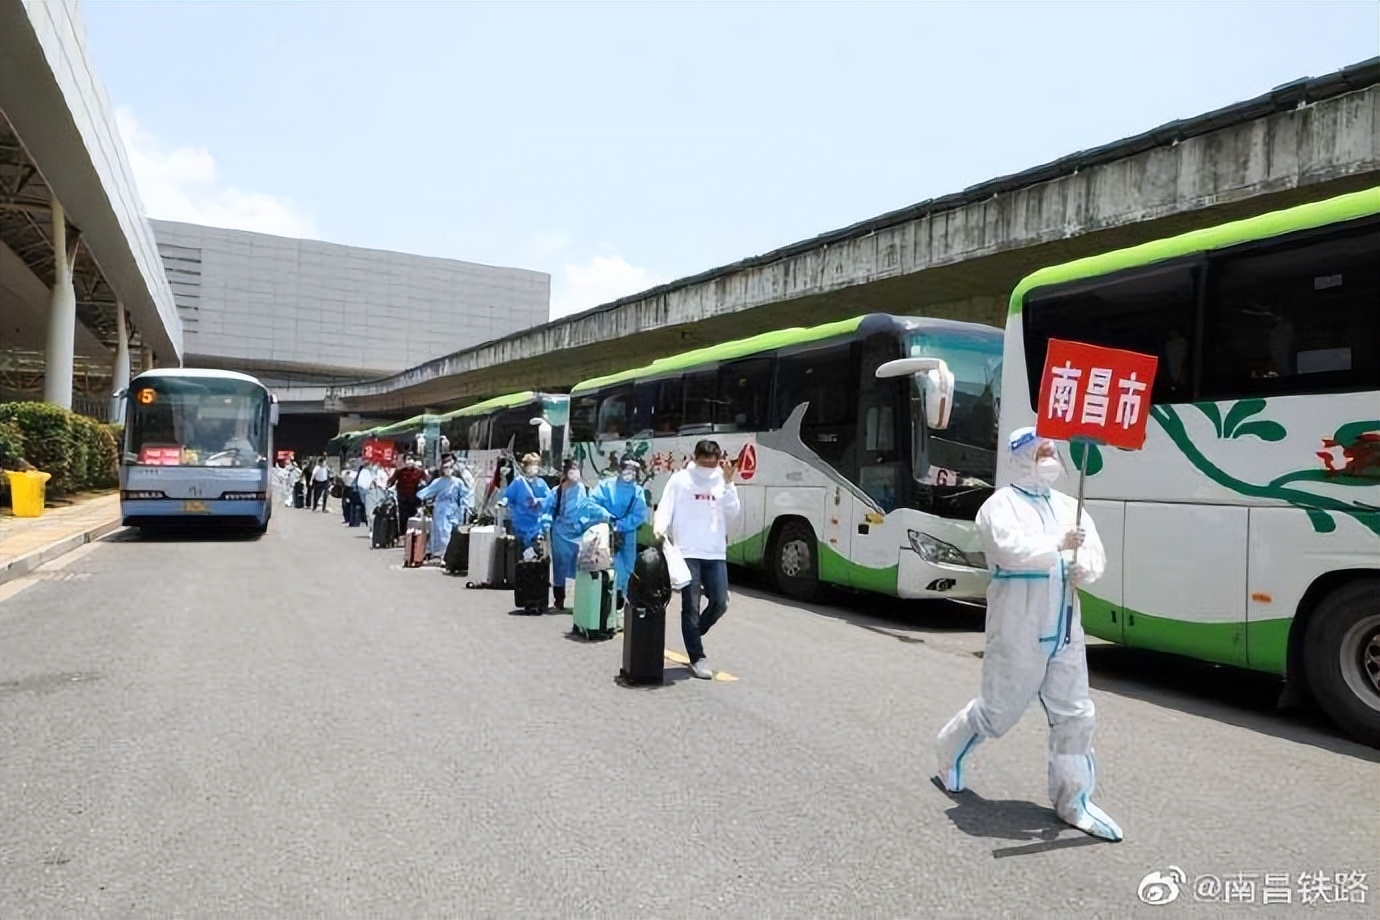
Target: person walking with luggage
{"x":364,"y":489}
{"x":347,"y":491}
{"x":571,"y":513}
{"x":320,"y":484}
{"x":1035,"y":643}
{"x":446,"y":493}
{"x":525,"y":497}
{"x":693,"y":516}
{"x":407,"y":480}
{"x":623,"y":498}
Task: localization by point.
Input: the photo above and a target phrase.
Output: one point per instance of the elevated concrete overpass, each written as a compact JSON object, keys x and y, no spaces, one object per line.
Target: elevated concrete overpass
{"x":957,"y":256}
{"x":80,"y":273}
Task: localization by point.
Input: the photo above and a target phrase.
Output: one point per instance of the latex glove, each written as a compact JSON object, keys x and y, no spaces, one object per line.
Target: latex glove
{"x":1073,"y":539}
{"x":1079,"y":574}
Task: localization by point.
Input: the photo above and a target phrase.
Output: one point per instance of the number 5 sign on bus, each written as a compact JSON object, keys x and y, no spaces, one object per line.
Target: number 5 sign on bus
{"x":1095,"y":395}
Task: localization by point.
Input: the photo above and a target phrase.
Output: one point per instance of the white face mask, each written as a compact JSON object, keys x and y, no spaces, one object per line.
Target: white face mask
{"x":1048,"y":470}
{"x":627,"y":476}
{"x":573,"y":476}
{"x":529,"y":471}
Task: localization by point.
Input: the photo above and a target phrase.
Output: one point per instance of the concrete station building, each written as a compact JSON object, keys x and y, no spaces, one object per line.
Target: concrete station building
{"x":91,"y":290}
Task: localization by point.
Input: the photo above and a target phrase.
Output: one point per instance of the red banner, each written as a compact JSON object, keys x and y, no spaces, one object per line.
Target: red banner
{"x":379,"y":451}
{"x":1095,"y":394}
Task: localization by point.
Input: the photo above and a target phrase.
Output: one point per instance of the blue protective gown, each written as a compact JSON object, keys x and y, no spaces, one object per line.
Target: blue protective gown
{"x":525,"y":498}
{"x":568,"y":524}
{"x":447,"y":495}
{"x":626,"y":504}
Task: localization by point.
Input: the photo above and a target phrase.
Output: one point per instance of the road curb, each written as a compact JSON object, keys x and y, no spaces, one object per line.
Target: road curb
{"x":20,"y":566}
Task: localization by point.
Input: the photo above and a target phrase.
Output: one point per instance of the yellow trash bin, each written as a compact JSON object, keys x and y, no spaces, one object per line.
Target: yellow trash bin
{"x":26,"y":491}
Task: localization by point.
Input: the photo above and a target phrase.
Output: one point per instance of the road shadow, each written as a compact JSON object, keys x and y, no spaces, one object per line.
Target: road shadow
{"x":905,"y":620}
{"x":1235,"y":696}
{"x":672,"y":674}
{"x":1012,"y":819}
{"x":182,"y":534}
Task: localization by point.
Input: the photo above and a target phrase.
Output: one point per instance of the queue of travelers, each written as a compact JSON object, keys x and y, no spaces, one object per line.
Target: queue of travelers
{"x":692,"y":516}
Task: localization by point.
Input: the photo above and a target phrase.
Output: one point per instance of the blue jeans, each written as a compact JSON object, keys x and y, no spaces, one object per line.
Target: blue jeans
{"x":710,"y":578}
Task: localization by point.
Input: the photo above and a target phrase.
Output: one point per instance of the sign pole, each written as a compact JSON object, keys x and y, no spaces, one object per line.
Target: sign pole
{"x":1082,"y":480}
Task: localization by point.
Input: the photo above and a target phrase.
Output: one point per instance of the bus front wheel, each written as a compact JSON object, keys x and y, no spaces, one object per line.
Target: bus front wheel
{"x":795,"y":560}
{"x":1342,"y":658}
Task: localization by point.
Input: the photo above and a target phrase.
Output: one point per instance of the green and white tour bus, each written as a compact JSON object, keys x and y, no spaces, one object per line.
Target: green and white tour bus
{"x":507,"y":428}
{"x":864,"y":446}
{"x":1247,"y":531}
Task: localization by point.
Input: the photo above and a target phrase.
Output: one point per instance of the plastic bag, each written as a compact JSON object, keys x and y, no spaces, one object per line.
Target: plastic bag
{"x":595,"y":555}
{"x":675,"y":565}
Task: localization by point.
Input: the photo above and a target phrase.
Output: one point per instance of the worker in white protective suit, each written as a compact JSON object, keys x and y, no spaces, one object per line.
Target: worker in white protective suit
{"x":1035,"y":645}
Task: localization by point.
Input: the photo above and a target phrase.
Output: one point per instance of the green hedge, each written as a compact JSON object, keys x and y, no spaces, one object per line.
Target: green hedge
{"x":11,"y":446}
{"x":79,"y":452}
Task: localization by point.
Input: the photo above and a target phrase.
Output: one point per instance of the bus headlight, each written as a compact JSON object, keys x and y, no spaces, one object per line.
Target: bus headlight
{"x":934,"y":550}
{"x":242,"y":496}
{"x":137,"y":494}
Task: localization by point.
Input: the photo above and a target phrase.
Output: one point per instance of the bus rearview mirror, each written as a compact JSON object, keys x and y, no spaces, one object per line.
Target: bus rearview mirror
{"x":933,"y":380}
{"x":273,"y":413}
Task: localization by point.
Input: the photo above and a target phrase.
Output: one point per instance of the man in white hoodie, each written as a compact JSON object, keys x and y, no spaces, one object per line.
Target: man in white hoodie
{"x":692,"y":515}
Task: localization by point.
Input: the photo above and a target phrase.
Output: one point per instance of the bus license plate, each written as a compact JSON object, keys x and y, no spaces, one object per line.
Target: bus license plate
{"x":195,"y":507}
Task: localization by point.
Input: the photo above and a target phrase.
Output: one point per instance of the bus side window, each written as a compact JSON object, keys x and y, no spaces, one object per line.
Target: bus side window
{"x":644,"y":408}
{"x":744,"y":388}
{"x":1153,"y":312}
{"x":826,"y":378}
{"x":701,"y":395}
{"x":1295,"y":318}
{"x":615,"y":414}
{"x":670,"y":407}
{"x":584,"y":413}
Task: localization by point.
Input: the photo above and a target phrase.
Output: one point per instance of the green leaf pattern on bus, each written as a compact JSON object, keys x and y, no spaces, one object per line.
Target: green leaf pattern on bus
{"x":1076,"y":449}
{"x":1355,"y":438}
{"x":1236,"y":424}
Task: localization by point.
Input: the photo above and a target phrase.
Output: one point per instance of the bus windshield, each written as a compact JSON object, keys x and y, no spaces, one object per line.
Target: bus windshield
{"x":964,"y":453}
{"x":197,"y":421}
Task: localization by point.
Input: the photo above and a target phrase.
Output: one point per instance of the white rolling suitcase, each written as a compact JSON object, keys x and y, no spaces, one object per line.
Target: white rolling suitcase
{"x":482,"y":540}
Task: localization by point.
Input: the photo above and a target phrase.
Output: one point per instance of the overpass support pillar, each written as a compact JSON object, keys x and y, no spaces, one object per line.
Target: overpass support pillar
{"x":62,"y":318}
{"x":119,"y":375}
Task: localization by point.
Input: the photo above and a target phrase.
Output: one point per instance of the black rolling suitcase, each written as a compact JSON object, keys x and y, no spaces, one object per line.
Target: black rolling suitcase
{"x":532,"y":584}
{"x":644,"y":619}
{"x":457,"y":557}
{"x":299,"y":495}
{"x":383,"y":529}
{"x":503,"y":571}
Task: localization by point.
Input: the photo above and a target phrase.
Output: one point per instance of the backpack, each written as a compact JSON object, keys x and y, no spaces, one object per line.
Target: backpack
{"x":650,"y":584}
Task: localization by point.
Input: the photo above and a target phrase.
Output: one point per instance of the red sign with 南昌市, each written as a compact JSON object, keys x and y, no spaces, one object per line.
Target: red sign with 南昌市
{"x":1096,"y":394}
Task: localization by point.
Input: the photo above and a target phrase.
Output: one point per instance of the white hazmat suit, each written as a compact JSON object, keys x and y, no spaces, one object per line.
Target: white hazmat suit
{"x":1035,"y":643}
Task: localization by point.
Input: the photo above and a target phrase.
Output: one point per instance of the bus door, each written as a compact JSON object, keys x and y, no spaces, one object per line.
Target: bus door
{"x":882,"y":468}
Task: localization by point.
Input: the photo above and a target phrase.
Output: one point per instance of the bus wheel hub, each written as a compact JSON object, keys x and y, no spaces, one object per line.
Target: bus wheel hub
{"x":1360,"y":662}
{"x":795,"y":559}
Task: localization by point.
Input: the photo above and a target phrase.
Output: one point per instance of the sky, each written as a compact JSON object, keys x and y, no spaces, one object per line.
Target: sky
{"x":617,"y":146}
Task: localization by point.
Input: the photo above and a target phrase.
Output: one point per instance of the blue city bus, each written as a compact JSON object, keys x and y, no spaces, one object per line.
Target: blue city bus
{"x":198,"y":449}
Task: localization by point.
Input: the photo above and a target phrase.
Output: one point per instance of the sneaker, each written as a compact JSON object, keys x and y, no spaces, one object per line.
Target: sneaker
{"x":701,"y":669}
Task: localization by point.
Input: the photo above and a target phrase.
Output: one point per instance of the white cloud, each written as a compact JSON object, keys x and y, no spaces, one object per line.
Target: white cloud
{"x":181,"y":184}
{"x":603,"y":278}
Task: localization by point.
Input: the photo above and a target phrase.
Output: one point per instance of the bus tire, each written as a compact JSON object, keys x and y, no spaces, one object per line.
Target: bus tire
{"x":795,"y":560}
{"x":1342,"y":658}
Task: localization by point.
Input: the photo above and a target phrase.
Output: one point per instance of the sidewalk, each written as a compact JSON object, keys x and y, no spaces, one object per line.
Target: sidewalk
{"x":27,"y":543}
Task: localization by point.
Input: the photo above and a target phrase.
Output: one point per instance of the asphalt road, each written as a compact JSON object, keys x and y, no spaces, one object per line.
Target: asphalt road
{"x":295,"y":726}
